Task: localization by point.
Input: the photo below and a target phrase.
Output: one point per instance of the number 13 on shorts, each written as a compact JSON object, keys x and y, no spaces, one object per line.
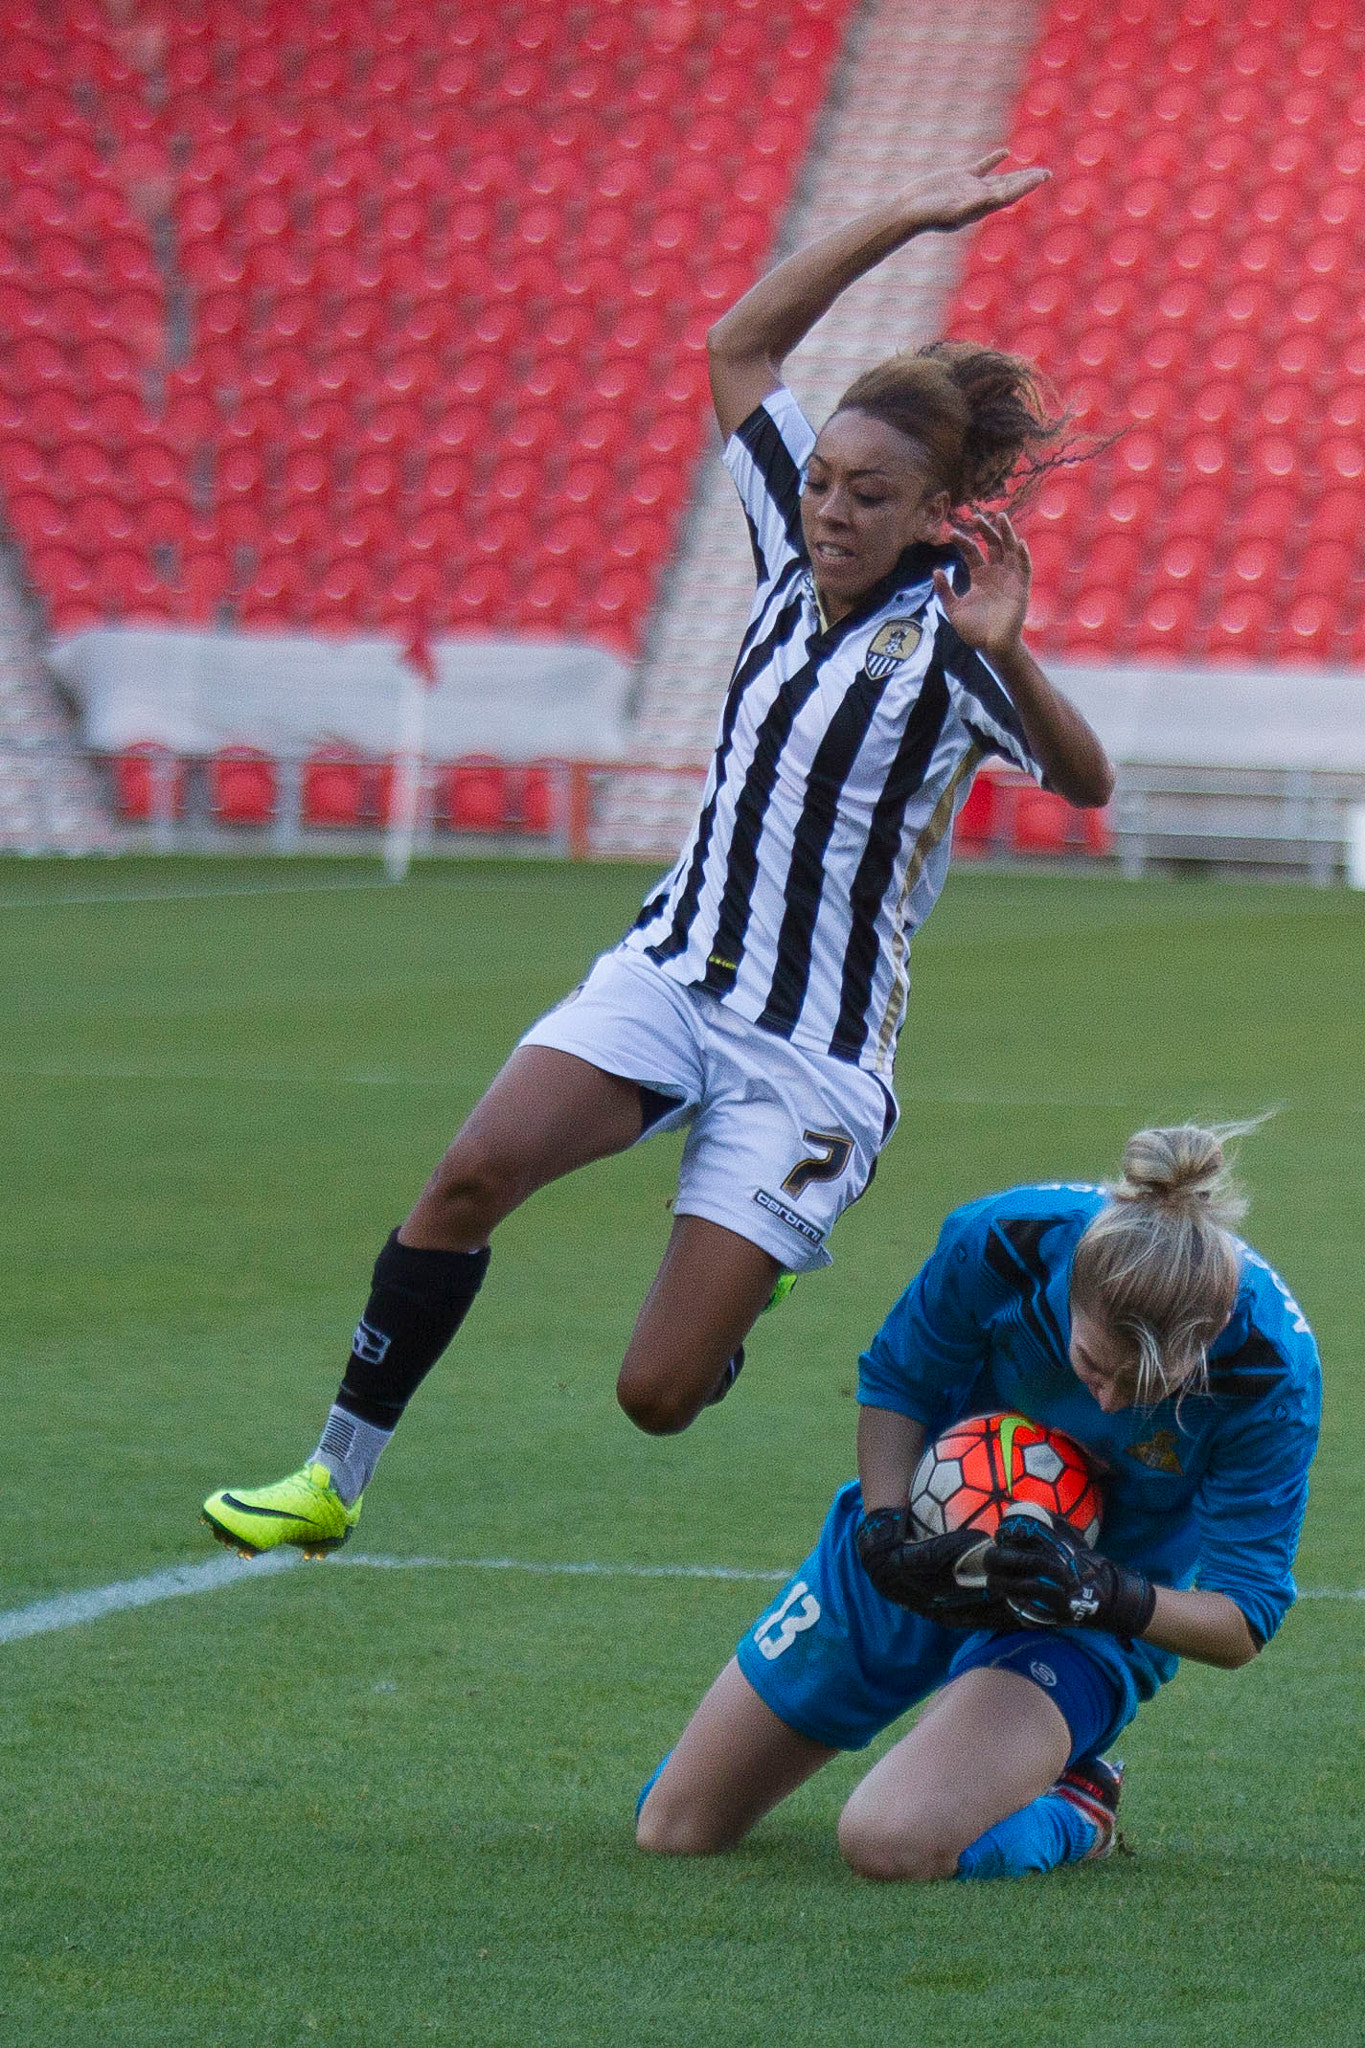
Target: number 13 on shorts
{"x":777,"y":1631}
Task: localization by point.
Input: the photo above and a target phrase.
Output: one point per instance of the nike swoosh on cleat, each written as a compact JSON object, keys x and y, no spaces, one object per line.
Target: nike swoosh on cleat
{"x":247,"y":1507}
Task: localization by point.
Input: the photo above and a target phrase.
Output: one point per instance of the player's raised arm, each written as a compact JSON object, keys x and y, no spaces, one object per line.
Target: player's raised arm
{"x":749,"y":344}
{"x":989,"y":616}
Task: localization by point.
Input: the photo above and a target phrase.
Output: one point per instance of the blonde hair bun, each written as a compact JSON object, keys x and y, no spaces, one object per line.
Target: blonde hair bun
{"x":1185,"y":1165}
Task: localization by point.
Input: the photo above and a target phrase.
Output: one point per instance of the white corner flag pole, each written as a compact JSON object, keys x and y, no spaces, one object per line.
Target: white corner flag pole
{"x":408,"y":769}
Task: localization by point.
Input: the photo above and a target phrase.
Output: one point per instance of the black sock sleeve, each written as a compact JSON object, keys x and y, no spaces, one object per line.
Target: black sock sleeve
{"x":418,"y":1299}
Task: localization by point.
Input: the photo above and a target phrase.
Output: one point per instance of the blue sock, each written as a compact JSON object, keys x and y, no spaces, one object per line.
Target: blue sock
{"x":1039,"y":1837}
{"x":650,"y":1781}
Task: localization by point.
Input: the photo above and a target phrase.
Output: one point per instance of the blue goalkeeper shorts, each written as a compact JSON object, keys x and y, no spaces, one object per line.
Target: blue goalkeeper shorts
{"x":838,"y":1662}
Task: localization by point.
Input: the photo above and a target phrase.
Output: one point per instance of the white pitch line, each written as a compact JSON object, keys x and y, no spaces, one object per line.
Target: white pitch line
{"x":69,"y":1610}
{"x":559,"y":1571}
{"x":307,"y":888}
{"x":72,"y":1610}
{"x":204,"y":895}
{"x":100,"y":1073}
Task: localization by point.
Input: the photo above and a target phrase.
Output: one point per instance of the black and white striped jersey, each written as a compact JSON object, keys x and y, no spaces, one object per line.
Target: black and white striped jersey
{"x":843,"y":755}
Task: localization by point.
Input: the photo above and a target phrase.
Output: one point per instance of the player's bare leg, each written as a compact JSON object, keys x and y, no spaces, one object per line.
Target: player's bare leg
{"x":990,"y":1743}
{"x":733,"y":1763}
{"x":711,"y":1286}
{"x":545,"y":1114}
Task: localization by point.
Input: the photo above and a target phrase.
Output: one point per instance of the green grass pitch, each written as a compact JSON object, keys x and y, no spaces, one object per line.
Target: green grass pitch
{"x":365,"y":1807}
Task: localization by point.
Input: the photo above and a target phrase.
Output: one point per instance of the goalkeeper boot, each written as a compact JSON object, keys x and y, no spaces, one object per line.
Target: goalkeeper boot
{"x":305,"y":1509}
{"x":1092,"y":1785}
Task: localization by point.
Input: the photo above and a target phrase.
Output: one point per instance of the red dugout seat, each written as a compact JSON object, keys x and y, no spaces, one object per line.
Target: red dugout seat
{"x":242,"y":786}
{"x":472,"y":794}
{"x":149,"y":782}
{"x":334,"y":789}
{"x":1045,"y":824}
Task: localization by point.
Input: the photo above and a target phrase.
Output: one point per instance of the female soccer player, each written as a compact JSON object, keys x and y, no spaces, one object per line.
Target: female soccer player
{"x":1135,"y":1321}
{"x":758,"y":996}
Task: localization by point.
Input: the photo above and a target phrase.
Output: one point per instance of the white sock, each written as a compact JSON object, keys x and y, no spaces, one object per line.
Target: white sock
{"x":350,"y":1450}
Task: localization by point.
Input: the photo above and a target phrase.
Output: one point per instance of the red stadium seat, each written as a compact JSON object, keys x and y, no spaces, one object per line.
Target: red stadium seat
{"x":1309,"y":633}
{"x":242,"y":786}
{"x":127,"y":585}
{"x":25,"y":467}
{"x":343,"y":596}
{"x":149,"y":781}
{"x":275,"y":587}
{"x":201,"y":587}
{"x":547,"y":600}
{"x":333,"y":790}
{"x":239,"y":474}
{"x":1128,"y":508}
{"x":975,"y":825}
{"x":537,"y":798}
{"x":1335,"y":516}
{"x":1254,"y":566}
{"x":1114,"y":559}
{"x":1165,"y":626}
{"x":1325,"y":569}
{"x":1094,"y":620}
{"x":472,"y":794}
{"x":1046,"y":824}
{"x":446,"y":479}
{"x":480,"y":597}
{"x":1184,"y":563}
{"x":99,"y":522}
{"x":64,"y":580}
{"x":1267,"y":514}
{"x":1238,"y":628}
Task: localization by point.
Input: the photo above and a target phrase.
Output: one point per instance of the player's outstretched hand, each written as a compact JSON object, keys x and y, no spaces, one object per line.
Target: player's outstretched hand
{"x":940,"y":1577}
{"x":989,"y":615}
{"x":957,"y":196}
{"x":1047,"y":1578}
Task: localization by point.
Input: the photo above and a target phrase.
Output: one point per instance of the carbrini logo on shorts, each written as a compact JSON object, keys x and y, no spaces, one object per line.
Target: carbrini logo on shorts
{"x":810,"y":1231}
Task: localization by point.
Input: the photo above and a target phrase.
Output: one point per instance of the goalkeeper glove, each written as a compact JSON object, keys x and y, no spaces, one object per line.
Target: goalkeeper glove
{"x":940,"y":1577}
{"x":1048,"y":1578}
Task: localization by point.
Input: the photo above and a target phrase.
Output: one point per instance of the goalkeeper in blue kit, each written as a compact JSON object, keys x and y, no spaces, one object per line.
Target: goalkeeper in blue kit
{"x":1137,"y":1322}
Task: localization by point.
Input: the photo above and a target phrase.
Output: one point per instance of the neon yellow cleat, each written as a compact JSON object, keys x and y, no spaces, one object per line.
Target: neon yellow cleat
{"x":785,"y":1284}
{"x":305,"y":1509}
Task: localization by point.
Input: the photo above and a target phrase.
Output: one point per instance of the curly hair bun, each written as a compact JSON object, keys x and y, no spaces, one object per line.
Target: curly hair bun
{"x":982,"y":420}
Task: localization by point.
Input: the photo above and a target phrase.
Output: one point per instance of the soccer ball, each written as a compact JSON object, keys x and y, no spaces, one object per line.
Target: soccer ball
{"x":981,"y":1468}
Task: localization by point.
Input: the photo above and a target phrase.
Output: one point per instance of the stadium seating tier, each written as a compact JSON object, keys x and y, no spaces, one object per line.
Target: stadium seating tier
{"x":444,"y":275}
{"x":1191,"y":282}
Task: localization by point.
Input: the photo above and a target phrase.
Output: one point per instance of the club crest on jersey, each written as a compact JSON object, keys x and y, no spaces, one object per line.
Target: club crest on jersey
{"x":892,"y":644}
{"x":1158,"y":1453}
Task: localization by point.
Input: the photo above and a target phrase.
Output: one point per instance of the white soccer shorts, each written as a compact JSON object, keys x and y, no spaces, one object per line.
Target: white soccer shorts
{"x":780,"y":1140}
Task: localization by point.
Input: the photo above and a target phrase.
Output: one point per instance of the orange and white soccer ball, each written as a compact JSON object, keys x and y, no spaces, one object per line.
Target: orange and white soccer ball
{"x":981,"y":1468}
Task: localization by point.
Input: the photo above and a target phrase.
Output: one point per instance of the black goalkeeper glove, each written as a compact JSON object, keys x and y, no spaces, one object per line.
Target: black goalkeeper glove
{"x":940,"y":1577}
{"x":1048,"y":1578}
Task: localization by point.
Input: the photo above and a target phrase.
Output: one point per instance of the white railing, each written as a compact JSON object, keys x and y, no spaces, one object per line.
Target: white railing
{"x":1299,"y":823}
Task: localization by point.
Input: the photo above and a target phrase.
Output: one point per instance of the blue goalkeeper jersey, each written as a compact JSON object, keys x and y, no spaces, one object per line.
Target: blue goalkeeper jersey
{"x":1207,"y":1489}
